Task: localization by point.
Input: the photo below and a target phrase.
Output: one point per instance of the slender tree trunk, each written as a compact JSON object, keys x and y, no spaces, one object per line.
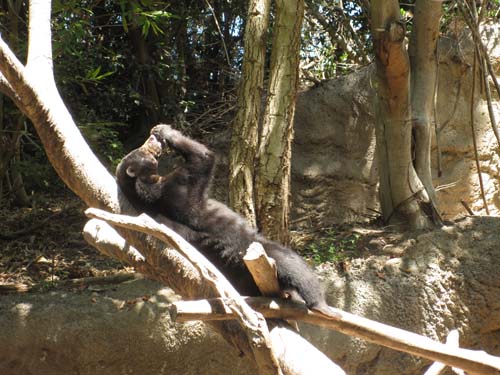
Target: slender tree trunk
{"x":21,"y":198}
{"x":403,"y":197}
{"x":151,"y":97}
{"x":181,"y":45}
{"x":13,"y":125}
{"x":273,"y":168}
{"x":423,"y":60}
{"x":4,"y":155}
{"x":246,"y":123}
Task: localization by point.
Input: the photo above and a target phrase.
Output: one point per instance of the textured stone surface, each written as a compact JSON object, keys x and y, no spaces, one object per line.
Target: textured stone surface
{"x":112,"y":331}
{"x":426,"y":282}
{"x":447,"y":279}
{"x":334,"y":171}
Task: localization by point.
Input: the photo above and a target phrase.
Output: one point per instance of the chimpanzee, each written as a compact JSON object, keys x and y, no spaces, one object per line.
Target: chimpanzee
{"x":180,"y":199}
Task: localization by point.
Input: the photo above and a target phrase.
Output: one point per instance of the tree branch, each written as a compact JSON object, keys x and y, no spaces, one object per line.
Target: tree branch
{"x":39,"y":37}
{"x":263,"y":270}
{"x":102,"y":236}
{"x":473,"y":361}
{"x":473,"y":21}
{"x":438,"y":368}
{"x":7,"y":89}
{"x":13,"y":74}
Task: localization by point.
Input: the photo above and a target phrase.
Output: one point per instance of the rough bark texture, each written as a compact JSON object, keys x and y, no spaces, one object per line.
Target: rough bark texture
{"x":273,"y":171}
{"x":246,"y":123}
{"x":402,"y":194}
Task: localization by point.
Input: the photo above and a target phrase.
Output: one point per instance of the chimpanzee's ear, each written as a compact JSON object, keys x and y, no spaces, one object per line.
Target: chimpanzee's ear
{"x":131,"y":172}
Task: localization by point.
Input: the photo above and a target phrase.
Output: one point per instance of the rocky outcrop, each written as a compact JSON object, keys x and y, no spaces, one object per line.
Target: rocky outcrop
{"x":112,"y":330}
{"x":425,"y":282}
{"x":334,"y":171}
{"x":334,"y":176}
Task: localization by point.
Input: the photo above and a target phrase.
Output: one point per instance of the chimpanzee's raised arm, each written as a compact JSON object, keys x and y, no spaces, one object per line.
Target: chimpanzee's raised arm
{"x":185,"y":190}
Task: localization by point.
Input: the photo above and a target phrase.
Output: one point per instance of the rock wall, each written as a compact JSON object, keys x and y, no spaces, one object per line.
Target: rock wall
{"x":115,"y":330}
{"x":334,"y":176}
{"x":334,"y":171}
{"x":447,"y":279}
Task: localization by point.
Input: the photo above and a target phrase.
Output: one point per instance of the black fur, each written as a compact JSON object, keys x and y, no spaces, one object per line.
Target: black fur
{"x":181,"y":199}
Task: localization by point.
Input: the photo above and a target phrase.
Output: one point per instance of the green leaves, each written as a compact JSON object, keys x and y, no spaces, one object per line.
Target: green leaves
{"x":95,"y":75}
{"x":332,"y":247}
{"x":149,"y":16}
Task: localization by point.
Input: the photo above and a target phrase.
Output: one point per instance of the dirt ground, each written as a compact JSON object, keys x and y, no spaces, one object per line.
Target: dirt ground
{"x":43,"y":245}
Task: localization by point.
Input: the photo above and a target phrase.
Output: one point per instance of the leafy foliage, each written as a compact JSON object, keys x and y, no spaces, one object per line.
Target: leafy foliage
{"x":335,"y":39}
{"x":331,"y":246}
{"x":123,"y":66}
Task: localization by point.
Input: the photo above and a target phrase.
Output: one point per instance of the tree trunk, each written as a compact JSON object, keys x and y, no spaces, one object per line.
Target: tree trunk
{"x":274,"y":154}
{"x":403,"y":197}
{"x":423,"y":50}
{"x":181,"y":45}
{"x":11,"y":125}
{"x":4,"y":150}
{"x":21,"y":198}
{"x":246,"y":123}
{"x":151,"y":97}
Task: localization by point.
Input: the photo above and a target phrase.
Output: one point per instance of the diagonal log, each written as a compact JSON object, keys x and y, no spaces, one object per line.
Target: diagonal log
{"x":254,"y":324}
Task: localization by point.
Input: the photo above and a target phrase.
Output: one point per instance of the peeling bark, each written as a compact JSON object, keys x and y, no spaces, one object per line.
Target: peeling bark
{"x":274,"y":155}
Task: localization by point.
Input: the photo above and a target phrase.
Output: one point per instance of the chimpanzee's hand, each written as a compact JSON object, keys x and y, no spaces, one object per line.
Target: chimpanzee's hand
{"x":165,"y":134}
{"x":153,"y":146}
